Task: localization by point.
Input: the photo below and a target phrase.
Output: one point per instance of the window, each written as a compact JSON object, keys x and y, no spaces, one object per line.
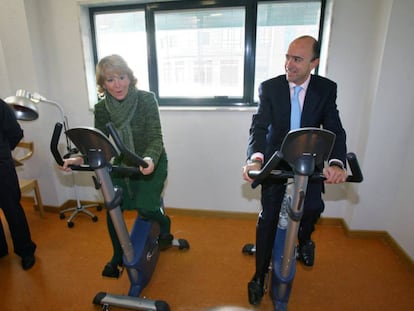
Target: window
{"x":204,"y":53}
{"x":277,"y":24}
{"x":124,"y":33}
{"x":205,"y":44}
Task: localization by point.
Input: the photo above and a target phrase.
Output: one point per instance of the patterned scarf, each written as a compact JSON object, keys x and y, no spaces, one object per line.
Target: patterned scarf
{"x":121,"y":113}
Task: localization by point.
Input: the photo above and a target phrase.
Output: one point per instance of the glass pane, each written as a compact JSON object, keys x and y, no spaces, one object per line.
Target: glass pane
{"x":200,"y":53}
{"x":124,"y":34}
{"x":278,"y":23}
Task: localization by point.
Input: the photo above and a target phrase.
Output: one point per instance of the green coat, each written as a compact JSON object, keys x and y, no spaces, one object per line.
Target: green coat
{"x":142,"y":193}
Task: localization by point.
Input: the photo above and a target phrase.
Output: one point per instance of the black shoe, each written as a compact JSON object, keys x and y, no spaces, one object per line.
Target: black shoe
{"x":306,"y":253}
{"x":255,"y":290}
{"x":165,"y":241}
{"x":112,"y":271}
{"x":28,"y":262}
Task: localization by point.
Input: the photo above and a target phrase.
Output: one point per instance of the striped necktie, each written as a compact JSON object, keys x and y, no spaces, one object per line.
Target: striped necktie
{"x":295,"y":110}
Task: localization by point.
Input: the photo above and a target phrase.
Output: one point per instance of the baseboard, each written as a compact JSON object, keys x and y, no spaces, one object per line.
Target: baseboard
{"x":210,"y":213}
{"x":57,"y":209}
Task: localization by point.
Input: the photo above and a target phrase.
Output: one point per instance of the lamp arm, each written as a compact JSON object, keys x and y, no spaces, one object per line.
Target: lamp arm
{"x":39,"y":98}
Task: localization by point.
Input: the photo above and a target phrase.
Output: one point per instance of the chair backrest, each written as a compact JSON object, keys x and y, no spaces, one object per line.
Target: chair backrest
{"x":28,"y":147}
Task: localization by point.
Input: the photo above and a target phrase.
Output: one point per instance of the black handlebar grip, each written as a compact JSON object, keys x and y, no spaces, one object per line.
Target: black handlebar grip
{"x":126,"y":170}
{"x":258,"y":176}
{"x":261,"y":175}
{"x":354,"y":167}
{"x":54,"y":143}
{"x":136,"y":160}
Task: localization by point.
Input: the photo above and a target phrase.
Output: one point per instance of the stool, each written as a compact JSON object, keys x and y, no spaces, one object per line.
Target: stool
{"x":31,"y":185}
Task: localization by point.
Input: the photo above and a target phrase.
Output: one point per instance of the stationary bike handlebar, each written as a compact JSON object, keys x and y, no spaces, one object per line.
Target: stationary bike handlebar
{"x":132,"y":158}
{"x":270,"y":170}
{"x":128,"y":154}
{"x":54,"y":142}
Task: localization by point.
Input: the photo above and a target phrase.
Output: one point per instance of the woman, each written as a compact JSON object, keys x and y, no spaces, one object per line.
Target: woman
{"x":135,"y":115}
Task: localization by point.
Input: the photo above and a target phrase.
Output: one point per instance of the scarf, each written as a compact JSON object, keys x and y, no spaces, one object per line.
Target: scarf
{"x":121,"y":113}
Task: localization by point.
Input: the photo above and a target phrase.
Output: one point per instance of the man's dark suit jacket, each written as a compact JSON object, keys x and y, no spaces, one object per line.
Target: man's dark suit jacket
{"x":271,"y":123}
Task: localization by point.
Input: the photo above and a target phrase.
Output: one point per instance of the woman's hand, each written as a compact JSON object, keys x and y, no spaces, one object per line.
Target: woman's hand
{"x":149,"y":169}
{"x":71,"y":161}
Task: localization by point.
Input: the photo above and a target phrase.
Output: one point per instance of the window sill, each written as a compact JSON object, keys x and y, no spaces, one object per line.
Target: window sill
{"x":205,"y":108}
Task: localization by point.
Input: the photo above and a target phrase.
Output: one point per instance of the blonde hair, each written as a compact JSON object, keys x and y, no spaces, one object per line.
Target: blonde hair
{"x":109,"y":65}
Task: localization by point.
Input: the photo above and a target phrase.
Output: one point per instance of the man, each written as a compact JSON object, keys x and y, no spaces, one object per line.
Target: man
{"x":270,"y":124}
{"x":10,"y":135}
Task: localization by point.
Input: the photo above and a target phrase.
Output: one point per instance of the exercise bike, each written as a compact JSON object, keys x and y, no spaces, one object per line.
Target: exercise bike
{"x":304,"y":150}
{"x":140,"y":247}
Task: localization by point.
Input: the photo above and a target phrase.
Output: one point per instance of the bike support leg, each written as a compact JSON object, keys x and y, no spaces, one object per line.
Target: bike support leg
{"x":284,"y":254}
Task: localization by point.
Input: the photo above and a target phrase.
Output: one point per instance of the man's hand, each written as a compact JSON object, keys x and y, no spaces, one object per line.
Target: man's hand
{"x":250,"y":166}
{"x":334,"y":175}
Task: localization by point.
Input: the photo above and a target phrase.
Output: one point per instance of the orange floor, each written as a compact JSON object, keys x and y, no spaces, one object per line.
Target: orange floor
{"x":349,"y":273}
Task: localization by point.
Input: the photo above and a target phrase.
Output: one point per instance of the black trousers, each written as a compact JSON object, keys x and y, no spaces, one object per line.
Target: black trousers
{"x":272,"y":197}
{"x":10,"y":204}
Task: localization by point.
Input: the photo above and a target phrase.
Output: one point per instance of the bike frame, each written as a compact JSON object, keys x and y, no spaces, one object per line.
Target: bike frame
{"x":304,"y":150}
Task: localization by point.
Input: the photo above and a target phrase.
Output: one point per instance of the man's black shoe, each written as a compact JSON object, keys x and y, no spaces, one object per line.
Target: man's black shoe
{"x":28,"y":262}
{"x":306,"y":253}
{"x":255,"y":290}
{"x":111,"y":271}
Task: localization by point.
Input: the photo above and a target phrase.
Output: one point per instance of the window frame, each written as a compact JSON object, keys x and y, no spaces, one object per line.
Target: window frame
{"x":250,"y":6}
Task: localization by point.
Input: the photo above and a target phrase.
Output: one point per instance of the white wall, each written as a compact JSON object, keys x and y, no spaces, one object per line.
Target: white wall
{"x":388,"y":162}
{"x":41,"y":49}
